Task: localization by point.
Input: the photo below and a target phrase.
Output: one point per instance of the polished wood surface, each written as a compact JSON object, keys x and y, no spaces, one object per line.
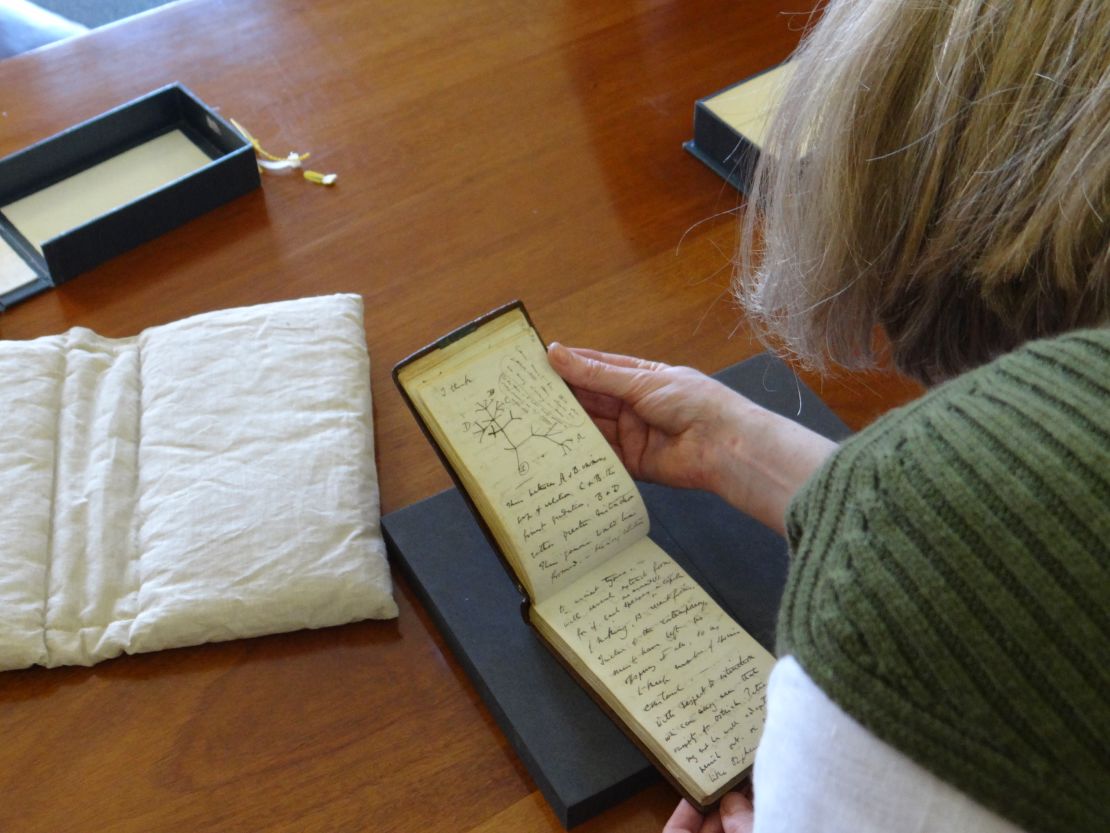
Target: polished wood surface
{"x":485,"y":151}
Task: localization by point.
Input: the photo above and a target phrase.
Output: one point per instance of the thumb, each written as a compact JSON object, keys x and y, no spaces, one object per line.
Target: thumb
{"x":737,"y":814}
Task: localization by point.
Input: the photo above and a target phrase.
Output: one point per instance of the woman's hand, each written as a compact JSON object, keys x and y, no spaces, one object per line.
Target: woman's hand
{"x":676,"y":426}
{"x":734,"y":815}
{"x":668,"y":424}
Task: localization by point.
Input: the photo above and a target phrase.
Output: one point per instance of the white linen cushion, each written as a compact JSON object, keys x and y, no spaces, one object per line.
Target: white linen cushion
{"x":205,"y":480}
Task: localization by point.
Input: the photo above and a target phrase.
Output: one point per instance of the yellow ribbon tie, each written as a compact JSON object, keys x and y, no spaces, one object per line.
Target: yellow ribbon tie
{"x":279,"y":164}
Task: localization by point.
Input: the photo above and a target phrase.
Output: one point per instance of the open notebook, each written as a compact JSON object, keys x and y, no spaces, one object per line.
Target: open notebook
{"x":644,"y":637}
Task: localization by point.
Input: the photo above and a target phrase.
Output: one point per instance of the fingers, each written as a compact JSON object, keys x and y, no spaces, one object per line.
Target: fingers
{"x":612,"y":358}
{"x":597,"y":405}
{"x":737,"y":815}
{"x":593,"y":371}
{"x":684,"y":819}
{"x":610,"y":431}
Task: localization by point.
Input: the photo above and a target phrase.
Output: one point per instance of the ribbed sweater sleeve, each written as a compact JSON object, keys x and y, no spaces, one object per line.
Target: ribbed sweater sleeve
{"x":950,"y":586}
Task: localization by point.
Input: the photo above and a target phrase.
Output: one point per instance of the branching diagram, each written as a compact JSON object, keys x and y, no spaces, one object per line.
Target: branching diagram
{"x":494,"y":417}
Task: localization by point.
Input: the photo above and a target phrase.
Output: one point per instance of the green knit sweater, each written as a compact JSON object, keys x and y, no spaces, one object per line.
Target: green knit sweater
{"x":950,"y":586}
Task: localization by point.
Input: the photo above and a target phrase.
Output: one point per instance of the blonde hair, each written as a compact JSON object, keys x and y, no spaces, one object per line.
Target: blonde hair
{"x":939,"y":169}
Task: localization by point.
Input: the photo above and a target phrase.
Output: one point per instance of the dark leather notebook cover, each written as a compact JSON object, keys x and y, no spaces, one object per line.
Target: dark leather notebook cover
{"x":578,"y":757}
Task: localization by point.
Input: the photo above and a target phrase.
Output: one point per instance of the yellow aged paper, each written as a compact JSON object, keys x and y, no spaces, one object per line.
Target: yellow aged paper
{"x":747,"y":107}
{"x":14,"y":271}
{"x":684,"y":672}
{"x":564,"y":500}
{"x":92,"y":193}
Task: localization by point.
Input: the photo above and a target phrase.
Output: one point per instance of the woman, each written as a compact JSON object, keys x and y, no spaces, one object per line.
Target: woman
{"x":943,"y":636}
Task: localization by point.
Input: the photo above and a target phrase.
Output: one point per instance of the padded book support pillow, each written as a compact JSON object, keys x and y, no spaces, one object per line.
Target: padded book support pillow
{"x":205,"y":480}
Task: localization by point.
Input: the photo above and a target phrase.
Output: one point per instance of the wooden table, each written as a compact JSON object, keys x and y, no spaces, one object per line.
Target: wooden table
{"x":485,"y":151}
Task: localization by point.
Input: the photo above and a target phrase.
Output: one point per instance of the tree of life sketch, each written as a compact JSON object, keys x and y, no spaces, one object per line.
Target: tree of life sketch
{"x":528,"y":409}
{"x":494,"y":417}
